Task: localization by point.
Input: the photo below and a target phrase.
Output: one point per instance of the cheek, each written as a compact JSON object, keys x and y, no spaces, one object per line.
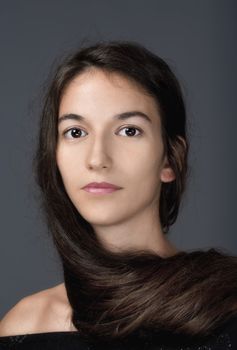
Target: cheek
{"x":143,"y":162}
{"x":147,"y":174}
{"x":149,"y":165}
{"x":144,"y":175}
{"x":68,"y":166}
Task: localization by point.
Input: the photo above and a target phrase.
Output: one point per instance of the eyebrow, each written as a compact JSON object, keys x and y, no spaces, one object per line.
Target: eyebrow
{"x":120,"y":116}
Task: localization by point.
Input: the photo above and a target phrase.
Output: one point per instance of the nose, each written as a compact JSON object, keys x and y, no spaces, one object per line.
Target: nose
{"x":98,"y":155}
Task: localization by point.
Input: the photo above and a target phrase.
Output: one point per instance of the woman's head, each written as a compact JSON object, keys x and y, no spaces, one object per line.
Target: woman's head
{"x":148,"y":161}
{"x":101,"y":147}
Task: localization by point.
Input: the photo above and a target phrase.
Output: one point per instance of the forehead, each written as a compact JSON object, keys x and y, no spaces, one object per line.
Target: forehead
{"x":109,"y":79}
{"x":99,"y":87}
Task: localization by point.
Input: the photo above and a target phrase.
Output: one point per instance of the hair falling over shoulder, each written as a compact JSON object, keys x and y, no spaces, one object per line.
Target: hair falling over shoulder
{"x":115,"y":295}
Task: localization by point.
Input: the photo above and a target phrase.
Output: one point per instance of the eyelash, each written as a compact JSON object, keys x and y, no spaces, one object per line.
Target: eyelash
{"x":126,"y":127}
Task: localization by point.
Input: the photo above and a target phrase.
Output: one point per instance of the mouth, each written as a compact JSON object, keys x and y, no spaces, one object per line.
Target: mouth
{"x":101,"y":186}
{"x":100,"y":190}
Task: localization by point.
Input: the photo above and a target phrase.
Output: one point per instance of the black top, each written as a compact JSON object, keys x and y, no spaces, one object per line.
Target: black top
{"x":223,"y":338}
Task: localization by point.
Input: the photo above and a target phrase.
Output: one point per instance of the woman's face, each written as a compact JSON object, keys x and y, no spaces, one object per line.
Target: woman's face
{"x":100,"y":148}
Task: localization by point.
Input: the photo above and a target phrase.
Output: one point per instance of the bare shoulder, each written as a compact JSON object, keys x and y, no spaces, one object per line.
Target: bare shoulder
{"x":45,"y":311}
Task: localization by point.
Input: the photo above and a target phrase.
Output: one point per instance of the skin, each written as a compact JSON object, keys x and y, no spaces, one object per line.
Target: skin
{"x":103,"y":150}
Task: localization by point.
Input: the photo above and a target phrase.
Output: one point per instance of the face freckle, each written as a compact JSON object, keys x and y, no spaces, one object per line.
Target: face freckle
{"x":108,"y":153}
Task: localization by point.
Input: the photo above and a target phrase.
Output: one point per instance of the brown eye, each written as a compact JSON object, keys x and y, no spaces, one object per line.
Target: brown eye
{"x":130,"y":131}
{"x":74,"y":132}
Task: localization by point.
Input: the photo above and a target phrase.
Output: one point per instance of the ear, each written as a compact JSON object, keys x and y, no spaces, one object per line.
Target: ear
{"x":180,"y":147}
{"x":167,"y":174}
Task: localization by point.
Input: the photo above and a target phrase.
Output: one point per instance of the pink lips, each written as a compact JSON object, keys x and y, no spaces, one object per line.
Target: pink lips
{"x":101,"y":187}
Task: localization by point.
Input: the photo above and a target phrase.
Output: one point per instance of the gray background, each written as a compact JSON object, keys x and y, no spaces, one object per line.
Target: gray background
{"x":197,"y":39}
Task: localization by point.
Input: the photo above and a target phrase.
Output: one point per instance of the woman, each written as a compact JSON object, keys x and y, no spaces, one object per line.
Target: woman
{"x":111,"y":165}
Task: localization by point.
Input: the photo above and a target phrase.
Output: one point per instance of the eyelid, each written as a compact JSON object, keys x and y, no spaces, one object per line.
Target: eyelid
{"x":134,"y":127}
{"x":123,"y":127}
{"x":71,"y":128}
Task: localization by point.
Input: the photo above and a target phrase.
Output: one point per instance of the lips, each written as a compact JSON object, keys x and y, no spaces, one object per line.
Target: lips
{"x":105,"y":185}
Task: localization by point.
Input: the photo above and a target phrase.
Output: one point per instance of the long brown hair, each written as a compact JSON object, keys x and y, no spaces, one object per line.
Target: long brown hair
{"x":116,"y":295}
